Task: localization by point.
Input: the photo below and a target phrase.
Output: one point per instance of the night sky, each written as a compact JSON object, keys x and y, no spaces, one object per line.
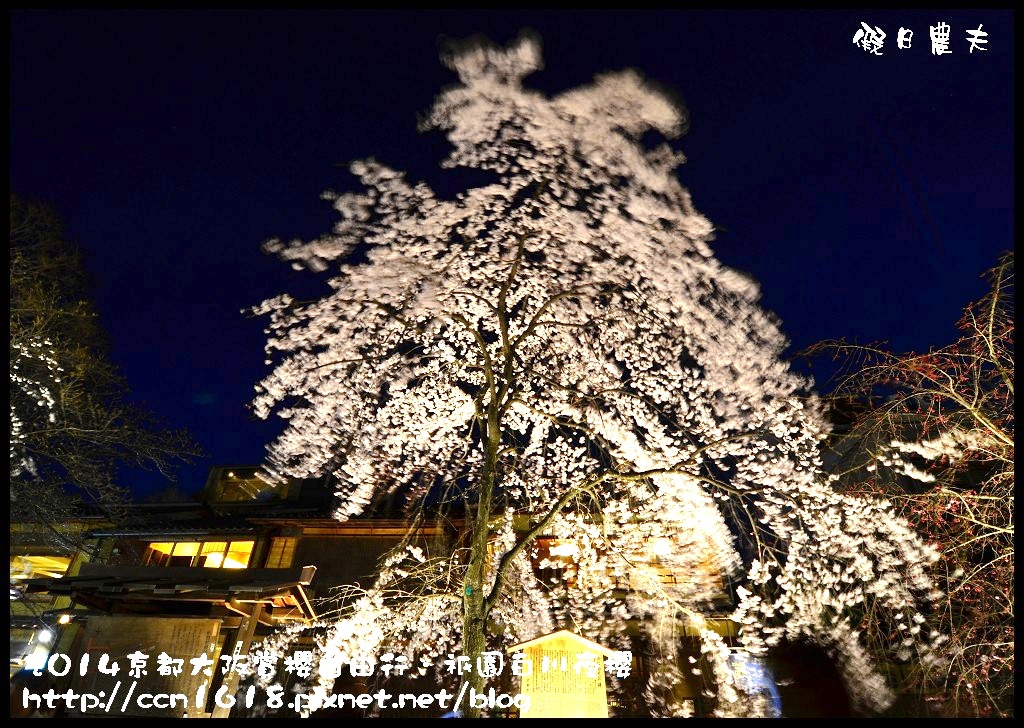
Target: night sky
{"x":866,"y":193}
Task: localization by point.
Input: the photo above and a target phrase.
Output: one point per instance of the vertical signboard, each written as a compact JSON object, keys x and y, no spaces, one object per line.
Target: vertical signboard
{"x":118,"y":637}
{"x":565,"y":677}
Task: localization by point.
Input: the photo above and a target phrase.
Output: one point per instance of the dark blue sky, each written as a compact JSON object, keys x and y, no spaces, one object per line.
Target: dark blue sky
{"x":865,"y":193}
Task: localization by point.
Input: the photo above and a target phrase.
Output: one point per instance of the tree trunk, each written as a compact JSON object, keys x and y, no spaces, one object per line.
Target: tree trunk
{"x":474,"y":606}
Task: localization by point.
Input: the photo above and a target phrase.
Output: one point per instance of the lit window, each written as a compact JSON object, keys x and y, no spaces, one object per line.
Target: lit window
{"x":212,"y":554}
{"x":282,"y":550}
{"x":238,"y":555}
{"x":208,"y":554}
{"x":185,"y":549}
{"x":34,"y":567}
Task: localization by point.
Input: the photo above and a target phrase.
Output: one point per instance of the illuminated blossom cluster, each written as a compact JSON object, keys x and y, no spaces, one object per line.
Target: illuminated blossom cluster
{"x":34,"y":374}
{"x":951,"y":445}
{"x":558,"y":353}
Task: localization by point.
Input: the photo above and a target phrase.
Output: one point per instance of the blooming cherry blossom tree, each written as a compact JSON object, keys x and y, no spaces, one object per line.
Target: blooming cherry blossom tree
{"x":558,"y":353}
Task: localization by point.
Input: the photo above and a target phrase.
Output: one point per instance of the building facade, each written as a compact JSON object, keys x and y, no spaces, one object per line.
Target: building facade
{"x":218,"y":575}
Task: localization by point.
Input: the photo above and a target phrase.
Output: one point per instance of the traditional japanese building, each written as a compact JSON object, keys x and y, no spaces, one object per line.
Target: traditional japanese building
{"x":211,"y":576}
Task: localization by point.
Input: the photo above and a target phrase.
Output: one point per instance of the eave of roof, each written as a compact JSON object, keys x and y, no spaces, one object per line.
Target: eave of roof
{"x":184,"y":584}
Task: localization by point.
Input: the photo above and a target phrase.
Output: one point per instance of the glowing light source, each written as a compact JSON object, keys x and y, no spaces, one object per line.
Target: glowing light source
{"x":64,"y":619}
{"x":661,"y":546}
{"x":569,"y":549}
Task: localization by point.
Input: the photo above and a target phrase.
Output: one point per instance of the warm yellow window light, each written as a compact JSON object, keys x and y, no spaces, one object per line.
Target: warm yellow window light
{"x":238,"y":555}
{"x":213,"y":554}
{"x":33,"y":567}
{"x":209,"y":554}
{"x":185,"y":548}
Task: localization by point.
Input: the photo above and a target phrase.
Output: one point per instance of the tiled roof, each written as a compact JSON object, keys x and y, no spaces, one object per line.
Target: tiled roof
{"x":164,"y":529}
{"x":185,"y":584}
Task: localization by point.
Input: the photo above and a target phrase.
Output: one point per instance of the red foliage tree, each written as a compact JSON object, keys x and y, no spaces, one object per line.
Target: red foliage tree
{"x":933,"y":433}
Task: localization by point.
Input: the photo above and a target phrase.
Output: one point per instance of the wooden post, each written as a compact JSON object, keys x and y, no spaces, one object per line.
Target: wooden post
{"x":243,"y":641}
